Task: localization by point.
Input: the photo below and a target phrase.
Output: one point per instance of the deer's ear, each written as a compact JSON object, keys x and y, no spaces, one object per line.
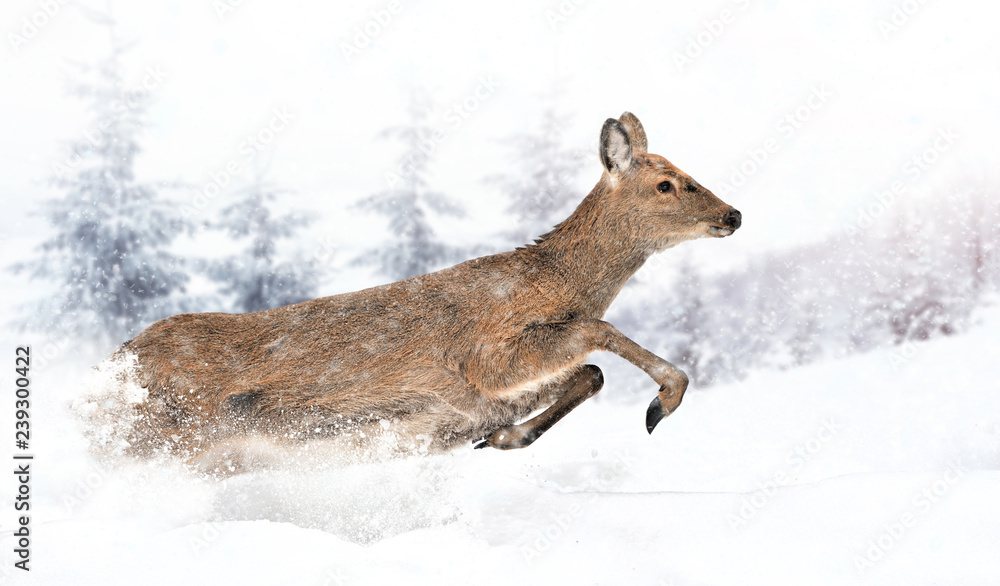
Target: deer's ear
{"x":635,"y":132}
{"x":616,"y":148}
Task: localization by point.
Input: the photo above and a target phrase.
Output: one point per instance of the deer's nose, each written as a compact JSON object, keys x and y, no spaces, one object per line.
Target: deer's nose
{"x":733,"y":218}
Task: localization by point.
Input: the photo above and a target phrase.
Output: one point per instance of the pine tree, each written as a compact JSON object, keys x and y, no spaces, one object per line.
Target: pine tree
{"x":255,"y":278}
{"x":109,"y":258}
{"x":541,"y":184}
{"x":414,"y":248}
{"x":915,"y":299}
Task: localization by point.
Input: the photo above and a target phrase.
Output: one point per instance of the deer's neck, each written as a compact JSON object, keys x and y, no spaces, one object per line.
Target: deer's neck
{"x":591,"y":255}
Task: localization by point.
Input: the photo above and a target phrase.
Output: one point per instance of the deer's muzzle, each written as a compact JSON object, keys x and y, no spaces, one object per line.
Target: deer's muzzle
{"x":730,"y":223}
{"x":733,"y":219}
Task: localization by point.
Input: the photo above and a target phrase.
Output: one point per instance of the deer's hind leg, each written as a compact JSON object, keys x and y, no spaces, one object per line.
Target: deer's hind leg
{"x":580,"y":386}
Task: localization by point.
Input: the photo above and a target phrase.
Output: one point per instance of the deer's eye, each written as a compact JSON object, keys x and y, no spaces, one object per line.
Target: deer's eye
{"x":665,"y":187}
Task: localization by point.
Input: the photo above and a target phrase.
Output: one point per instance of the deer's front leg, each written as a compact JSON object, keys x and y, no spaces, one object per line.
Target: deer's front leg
{"x":672,"y":380}
{"x":552,"y":345}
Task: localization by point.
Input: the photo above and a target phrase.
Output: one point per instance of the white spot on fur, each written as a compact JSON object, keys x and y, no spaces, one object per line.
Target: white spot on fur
{"x":533,"y":386}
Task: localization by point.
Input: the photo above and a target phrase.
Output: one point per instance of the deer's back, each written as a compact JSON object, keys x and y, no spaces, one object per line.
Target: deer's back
{"x":371,"y":353}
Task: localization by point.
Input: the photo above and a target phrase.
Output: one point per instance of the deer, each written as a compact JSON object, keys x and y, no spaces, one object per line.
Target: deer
{"x":464,"y":354}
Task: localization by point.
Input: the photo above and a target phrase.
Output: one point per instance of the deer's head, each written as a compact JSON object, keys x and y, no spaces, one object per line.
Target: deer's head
{"x":661,"y":204}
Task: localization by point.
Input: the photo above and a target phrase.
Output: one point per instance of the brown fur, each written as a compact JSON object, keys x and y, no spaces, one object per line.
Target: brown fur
{"x":452,"y":356}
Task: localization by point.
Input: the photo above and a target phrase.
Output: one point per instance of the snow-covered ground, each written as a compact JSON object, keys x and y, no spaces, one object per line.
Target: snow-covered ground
{"x":879,"y":469}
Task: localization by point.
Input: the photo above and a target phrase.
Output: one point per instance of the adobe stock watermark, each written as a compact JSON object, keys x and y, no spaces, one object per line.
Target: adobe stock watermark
{"x":560,"y":521}
{"x":325,"y":251}
{"x":154,"y":76}
{"x":224,"y":8}
{"x":907,"y":351}
{"x":711,"y":30}
{"x":247,"y":150}
{"x":786,"y":128}
{"x":558,"y":15}
{"x":53,"y":347}
{"x":796,"y":460}
{"x":205,"y":536}
{"x":32,"y":25}
{"x":913,"y":169}
{"x":920,"y":505}
{"x":87,"y":486}
{"x":454,"y":117}
{"x":899,"y":16}
{"x":336,"y":577}
{"x":84,"y":488}
{"x":366,"y":32}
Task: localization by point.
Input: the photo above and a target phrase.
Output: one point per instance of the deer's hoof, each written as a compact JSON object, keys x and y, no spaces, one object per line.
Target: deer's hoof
{"x":654,"y":414}
{"x":666,"y":402}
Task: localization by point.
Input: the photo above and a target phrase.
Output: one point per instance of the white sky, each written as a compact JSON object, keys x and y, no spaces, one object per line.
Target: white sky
{"x":889,"y":97}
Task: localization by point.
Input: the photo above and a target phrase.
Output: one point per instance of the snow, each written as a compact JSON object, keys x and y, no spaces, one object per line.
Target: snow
{"x":877,"y":469}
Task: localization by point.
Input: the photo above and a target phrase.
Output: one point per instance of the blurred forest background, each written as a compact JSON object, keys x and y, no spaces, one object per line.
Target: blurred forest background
{"x":123,"y":251}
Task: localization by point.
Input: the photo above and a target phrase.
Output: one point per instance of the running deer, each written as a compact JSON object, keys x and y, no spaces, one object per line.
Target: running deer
{"x":462,"y":354}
